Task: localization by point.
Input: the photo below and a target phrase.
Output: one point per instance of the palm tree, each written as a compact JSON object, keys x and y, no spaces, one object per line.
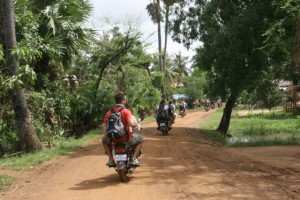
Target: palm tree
{"x":26,"y":132}
{"x":180,"y":66}
{"x":154,"y":11}
{"x":168,"y":4}
{"x":60,"y":27}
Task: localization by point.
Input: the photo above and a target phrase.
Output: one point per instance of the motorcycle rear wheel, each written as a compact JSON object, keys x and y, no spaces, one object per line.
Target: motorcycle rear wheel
{"x":122,"y":175}
{"x":164,"y":131}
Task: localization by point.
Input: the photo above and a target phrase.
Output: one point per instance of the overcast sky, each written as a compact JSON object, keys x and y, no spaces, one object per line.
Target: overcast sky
{"x":122,"y":10}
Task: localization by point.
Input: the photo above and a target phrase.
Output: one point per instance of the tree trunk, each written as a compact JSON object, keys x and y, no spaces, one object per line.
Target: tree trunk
{"x":165,"y":47}
{"x":159,"y":42}
{"x":296,"y":47}
{"x":27,"y":135}
{"x":225,"y":121}
{"x":159,"y":36}
{"x":166,"y":36}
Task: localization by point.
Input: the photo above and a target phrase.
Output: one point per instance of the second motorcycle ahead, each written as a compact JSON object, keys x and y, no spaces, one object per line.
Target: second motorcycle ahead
{"x":163,"y":117}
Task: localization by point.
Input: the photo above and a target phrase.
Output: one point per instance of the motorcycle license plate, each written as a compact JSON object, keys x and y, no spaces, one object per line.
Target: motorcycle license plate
{"x":121,"y":157}
{"x":162,"y":124}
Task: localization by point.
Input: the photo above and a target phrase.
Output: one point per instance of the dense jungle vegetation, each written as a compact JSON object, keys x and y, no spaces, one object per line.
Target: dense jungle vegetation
{"x":58,"y":76}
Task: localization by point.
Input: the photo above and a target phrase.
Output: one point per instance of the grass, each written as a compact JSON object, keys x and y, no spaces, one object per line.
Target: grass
{"x":60,"y":147}
{"x":5,"y":180}
{"x":261,"y":129}
{"x":29,"y":160}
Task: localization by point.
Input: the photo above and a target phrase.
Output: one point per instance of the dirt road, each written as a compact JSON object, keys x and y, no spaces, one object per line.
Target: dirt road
{"x":179,"y":166}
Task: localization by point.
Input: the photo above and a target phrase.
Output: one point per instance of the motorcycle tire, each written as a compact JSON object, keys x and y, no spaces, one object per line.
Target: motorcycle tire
{"x":166,"y":131}
{"x":122,"y":175}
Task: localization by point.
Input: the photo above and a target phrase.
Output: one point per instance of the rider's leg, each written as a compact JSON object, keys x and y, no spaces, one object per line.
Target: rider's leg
{"x":137,"y":141}
{"x":137,"y":150}
{"x":106,"y":146}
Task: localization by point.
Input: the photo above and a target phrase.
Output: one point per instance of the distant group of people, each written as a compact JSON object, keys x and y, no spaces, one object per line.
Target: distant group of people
{"x":167,"y":111}
{"x":211,"y":104}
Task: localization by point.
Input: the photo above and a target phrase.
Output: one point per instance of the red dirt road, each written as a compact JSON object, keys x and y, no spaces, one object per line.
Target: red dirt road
{"x":179,"y":166}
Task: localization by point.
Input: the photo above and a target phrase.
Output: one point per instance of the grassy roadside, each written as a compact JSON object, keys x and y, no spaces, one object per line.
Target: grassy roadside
{"x":27,"y":161}
{"x":255,"y":128}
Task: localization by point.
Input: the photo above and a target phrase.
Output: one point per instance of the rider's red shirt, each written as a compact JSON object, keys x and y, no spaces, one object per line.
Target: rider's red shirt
{"x":125,"y":115}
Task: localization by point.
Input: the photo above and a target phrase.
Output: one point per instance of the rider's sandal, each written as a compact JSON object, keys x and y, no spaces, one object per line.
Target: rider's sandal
{"x":111,"y":163}
{"x":135,"y":162}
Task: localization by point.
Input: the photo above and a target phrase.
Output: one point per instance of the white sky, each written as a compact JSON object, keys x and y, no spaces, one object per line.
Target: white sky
{"x":123,"y":10}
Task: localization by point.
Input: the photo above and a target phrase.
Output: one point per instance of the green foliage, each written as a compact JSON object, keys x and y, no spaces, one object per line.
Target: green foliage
{"x":5,"y":180}
{"x":292,"y":7}
{"x":9,"y":140}
{"x":87,"y":107}
{"x":1,"y":55}
{"x":267,"y":92}
{"x":158,"y":79}
{"x":231,"y":50}
{"x":195,"y":85}
{"x":278,"y":41}
{"x":25,"y":77}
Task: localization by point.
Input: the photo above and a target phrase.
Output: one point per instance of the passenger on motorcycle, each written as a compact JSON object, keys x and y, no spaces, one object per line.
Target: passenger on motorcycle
{"x":212,"y":104}
{"x":172,"y":113}
{"x":129,"y":122}
{"x":162,"y":112}
{"x":206,"y":104}
{"x":182,"y":105}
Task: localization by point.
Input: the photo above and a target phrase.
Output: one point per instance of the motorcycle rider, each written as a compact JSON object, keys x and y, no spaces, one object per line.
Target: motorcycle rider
{"x":212,"y":104}
{"x":162,"y":106}
{"x":206,"y":104}
{"x":182,"y":105}
{"x":129,"y":122}
{"x":172,"y":113}
{"x":219,"y":102}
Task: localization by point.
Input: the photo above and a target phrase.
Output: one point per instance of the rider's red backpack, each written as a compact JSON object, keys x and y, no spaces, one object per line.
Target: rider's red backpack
{"x":115,"y":128}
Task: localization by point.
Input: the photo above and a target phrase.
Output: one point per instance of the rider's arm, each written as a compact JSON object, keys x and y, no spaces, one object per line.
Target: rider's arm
{"x":130,"y":120}
{"x":104,"y":131}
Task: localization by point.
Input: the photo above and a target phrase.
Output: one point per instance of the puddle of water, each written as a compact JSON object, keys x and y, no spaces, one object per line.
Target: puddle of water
{"x":235,"y":139}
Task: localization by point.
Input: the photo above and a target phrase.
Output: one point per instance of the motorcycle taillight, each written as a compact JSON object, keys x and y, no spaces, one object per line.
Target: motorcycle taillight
{"x":120,"y":150}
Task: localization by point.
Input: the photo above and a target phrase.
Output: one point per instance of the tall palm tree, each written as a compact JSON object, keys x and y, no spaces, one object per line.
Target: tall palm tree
{"x":154,"y":11}
{"x":168,"y":4}
{"x":26,"y":132}
{"x":180,"y":66}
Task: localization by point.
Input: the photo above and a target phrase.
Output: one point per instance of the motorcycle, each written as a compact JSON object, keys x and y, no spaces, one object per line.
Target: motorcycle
{"x":212,"y":105}
{"x":182,"y":112}
{"x":123,"y":154}
{"x":164,"y":127}
{"x":206,"y":107}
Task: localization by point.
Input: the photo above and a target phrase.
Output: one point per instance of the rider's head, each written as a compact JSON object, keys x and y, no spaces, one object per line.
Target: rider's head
{"x":163,"y":101}
{"x":120,"y":98}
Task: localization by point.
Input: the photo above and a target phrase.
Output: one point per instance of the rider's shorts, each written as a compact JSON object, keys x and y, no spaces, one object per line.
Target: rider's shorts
{"x":136,"y":138}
